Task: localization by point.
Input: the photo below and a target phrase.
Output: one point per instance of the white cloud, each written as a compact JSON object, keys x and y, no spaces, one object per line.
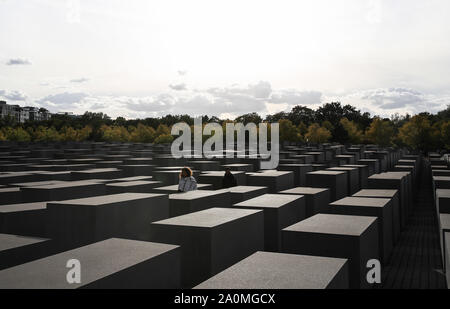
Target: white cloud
{"x":18,"y":61}
{"x":13,"y":95}
{"x":178,"y":87}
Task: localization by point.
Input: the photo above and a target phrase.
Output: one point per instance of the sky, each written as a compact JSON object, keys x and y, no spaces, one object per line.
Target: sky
{"x":140,"y":58}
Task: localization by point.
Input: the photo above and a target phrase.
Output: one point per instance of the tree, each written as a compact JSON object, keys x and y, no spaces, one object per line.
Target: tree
{"x":302,"y":114}
{"x":418,"y":134}
{"x":164,"y":139}
{"x":289,"y":132}
{"x":380,"y":132}
{"x":143,"y":134}
{"x":162,"y":130}
{"x":317,"y":134}
{"x":355,"y":135}
{"x":247,"y":118}
{"x":445,"y":134}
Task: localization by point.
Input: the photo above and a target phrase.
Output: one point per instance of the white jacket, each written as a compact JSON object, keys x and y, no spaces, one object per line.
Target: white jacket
{"x":187,"y":184}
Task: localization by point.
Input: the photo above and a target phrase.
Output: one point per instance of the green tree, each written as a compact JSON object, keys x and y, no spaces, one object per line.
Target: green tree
{"x":317,"y":134}
{"x":380,"y":132}
{"x":355,"y":135}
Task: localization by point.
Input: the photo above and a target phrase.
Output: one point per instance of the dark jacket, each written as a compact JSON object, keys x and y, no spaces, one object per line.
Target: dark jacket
{"x":229,"y":181}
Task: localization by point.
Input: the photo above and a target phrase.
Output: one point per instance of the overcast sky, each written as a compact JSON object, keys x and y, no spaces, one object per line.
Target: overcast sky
{"x":139,"y":58}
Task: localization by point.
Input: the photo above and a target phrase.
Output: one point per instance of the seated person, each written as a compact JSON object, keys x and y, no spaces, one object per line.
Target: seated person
{"x":187,"y":181}
{"x":228,"y":180}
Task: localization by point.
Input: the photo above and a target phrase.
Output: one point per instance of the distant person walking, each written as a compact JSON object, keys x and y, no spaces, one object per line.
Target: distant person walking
{"x":228,"y":180}
{"x":187,"y":181}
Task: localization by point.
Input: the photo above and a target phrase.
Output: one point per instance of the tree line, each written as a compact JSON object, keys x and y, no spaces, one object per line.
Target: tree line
{"x":332,"y":122}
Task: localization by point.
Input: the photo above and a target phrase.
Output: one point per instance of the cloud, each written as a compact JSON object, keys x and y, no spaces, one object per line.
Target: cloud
{"x":295,"y":97}
{"x":182,"y":73}
{"x":18,"y":61}
{"x":13,"y":95}
{"x":394,"y":98}
{"x":178,"y":87}
{"x":63,"y":100}
{"x":79,"y":80}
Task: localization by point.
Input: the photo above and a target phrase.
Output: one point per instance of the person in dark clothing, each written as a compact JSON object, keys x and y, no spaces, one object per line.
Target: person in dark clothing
{"x":228,"y":180}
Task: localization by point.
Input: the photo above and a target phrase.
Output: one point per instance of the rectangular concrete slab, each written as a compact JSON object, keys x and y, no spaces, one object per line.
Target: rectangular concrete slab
{"x":266,"y":271}
{"x":334,"y":180}
{"x":15,"y":250}
{"x":110,"y":264}
{"x":211,"y":240}
{"x":192,"y":201}
{"x":280,"y":211}
{"x":375,"y":207}
{"x":316,"y":199}
{"x":126,"y":215}
{"x":351,"y":237}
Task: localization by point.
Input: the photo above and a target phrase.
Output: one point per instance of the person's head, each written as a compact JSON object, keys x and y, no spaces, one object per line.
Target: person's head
{"x":185,"y":172}
{"x":227,"y":171}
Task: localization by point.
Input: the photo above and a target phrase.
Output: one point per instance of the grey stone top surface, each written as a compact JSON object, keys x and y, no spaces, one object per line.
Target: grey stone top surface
{"x":387,"y":176}
{"x":209,"y":218}
{"x":304,"y":191}
{"x":442,"y":178}
{"x":197,"y":194}
{"x":135,"y":178}
{"x":108,"y":199}
{"x":12,"y":189}
{"x":132,"y":183}
{"x":37,"y":183}
{"x":330,"y":173}
{"x":355,"y":165}
{"x":98,"y":170}
{"x":175,"y":187}
{"x":244,"y":189}
{"x":445,"y":221}
{"x":220,"y":173}
{"x":266,"y":270}
{"x":342,"y":168}
{"x":97,"y":261}
{"x":362,"y":201}
{"x":333,"y":224}
{"x":444,"y":193}
{"x":8,"y":241}
{"x":67,"y":184}
{"x":376,"y":193}
{"x":270,"y":173}
{"x":23,"y":207}
{"x":269,"y":201}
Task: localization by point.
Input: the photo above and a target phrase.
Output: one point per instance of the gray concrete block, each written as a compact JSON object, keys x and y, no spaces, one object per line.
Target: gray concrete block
{"x":390,"y":194}
{"x":62,"y":191}
{"x":243,"y":193}
{"x":280,"y":211}
{"x":27,"y":219}
{"x":351,"y":237}
{"x":87,"y":220}
{"x":110,"y":264}
{"x":188,"y":202}
{"x":300,"y":171}
{"x":363,"y":173}
{"x":316,"y":199}
{"x":275,"y":181}
{"x":371,"y":207}
{"x":267,"y":270}
{"x":140,"y":186}
{"x":16,"y":250}
{"x":352,"y":178}
{"x":335,"y":181}
{"x":211,"y":240}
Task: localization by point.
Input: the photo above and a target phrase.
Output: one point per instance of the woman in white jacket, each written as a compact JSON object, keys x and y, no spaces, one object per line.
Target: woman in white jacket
{"x":187,"y":181}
